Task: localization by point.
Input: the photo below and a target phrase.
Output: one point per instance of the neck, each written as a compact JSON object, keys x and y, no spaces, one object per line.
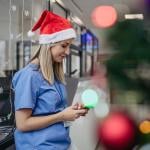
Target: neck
{"x":35,"y":61}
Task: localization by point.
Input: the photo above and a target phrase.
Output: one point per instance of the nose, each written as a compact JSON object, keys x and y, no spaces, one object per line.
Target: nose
{"x":67,"y":51}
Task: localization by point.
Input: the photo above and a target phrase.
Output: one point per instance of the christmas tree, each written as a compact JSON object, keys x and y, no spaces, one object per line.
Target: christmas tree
{"x":129,"y":67}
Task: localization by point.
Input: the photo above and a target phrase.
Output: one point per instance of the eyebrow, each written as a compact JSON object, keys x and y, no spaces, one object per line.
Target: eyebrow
{"x":67,"y":43}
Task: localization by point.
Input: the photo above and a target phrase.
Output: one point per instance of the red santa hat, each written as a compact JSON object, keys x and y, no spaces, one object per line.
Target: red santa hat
{"x":53,"y":28}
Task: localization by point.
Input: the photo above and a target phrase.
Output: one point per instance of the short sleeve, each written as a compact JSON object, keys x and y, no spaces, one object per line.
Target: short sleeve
{"x":25,"y":87}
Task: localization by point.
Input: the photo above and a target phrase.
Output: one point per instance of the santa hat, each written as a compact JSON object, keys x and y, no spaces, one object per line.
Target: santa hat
{"x":53,"y":28}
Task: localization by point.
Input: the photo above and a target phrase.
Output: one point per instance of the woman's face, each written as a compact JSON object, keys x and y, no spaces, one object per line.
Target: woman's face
{"x":61,"y":50}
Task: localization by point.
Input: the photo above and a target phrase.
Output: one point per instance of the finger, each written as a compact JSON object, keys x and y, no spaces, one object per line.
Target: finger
{"x":87,"y":110}
{"x":75,"y":106}
{"x":80,"y":106}
{"x":77,"y":116}
{"x":81,"y":111}
{"x":82,"y":115}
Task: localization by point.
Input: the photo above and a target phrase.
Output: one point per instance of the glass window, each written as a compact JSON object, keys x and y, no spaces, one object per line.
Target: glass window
{"x":58,"y":10}
{"x":88,"y":64}
{"x":75,"y":65}
{"x":16,"y":19}
{"x":27,"y":15}
{"x":77,"y":28}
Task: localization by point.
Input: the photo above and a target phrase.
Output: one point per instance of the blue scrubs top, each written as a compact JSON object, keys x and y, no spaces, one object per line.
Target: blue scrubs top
{"x":32,"y":91}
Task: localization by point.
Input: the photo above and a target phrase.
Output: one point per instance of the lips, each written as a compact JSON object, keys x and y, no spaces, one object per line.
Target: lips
{"x":63,"y":56}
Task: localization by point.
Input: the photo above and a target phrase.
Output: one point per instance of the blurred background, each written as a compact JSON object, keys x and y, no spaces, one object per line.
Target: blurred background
{"x":108,"y":68}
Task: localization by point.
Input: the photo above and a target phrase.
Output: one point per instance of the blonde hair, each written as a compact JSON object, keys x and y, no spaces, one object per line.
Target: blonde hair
{"x":49,"y":69}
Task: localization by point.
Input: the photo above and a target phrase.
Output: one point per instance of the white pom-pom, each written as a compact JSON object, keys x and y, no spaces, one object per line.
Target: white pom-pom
{"x":30,"y":33}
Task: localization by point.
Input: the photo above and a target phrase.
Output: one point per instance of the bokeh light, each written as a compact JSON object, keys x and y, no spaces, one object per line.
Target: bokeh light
{"x":89,"y":98}
{"x":145,"y":147}
{"x":101,"y":110}
{"x":117,"y":131}
{"x":104,"y":16}
{"x":145,"y":127}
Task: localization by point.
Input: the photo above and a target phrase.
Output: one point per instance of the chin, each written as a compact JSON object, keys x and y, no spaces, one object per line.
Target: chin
{"x":59,"y":61}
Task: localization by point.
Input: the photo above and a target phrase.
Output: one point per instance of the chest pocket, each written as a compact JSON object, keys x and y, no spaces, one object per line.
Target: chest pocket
{"x":48,"y":100}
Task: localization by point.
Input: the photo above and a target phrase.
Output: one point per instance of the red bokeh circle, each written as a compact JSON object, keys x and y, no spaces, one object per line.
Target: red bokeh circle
{"x":104,"y":16}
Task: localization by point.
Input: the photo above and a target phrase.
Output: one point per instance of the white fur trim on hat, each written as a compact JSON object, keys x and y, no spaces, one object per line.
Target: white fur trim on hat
{"x":30,"y":33}
{"x":57,"y":36}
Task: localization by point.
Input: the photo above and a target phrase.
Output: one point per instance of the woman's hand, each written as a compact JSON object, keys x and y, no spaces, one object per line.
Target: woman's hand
{"x":79,"y":106}
{"x":70,"y":113}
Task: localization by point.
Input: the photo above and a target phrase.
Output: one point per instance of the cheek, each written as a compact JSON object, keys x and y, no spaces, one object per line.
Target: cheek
{"x":54,"y":52}
{"x":56,"y":55}
{"x":57,"y":52}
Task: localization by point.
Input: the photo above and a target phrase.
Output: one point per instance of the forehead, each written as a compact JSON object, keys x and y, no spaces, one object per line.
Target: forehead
{"x":67,"y":41}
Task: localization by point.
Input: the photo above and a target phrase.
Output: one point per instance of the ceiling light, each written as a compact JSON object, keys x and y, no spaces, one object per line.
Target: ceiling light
{"x":53,"y":1}
{"x":60,"y":2}
{"x":134,"y":16}
{"x":77,"y":20}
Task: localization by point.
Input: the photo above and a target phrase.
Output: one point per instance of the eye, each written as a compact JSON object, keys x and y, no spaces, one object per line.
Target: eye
{"x":63,"y":46}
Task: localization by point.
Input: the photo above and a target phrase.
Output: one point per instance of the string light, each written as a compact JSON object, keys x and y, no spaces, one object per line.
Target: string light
{"x":9,"y":48}
{"x":9,"y":28}
{"x":22,"y":24}
{"x":31,"y":23}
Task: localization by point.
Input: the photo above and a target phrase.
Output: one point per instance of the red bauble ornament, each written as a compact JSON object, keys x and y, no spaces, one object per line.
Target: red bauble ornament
{"x":117,"y":131}
{"x":104,"y":16}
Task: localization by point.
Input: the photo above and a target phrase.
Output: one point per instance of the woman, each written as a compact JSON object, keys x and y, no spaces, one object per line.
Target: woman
{"x":40,"y":97}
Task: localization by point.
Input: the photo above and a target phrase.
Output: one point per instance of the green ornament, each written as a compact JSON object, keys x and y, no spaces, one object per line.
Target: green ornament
{"x":89,"y":98}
